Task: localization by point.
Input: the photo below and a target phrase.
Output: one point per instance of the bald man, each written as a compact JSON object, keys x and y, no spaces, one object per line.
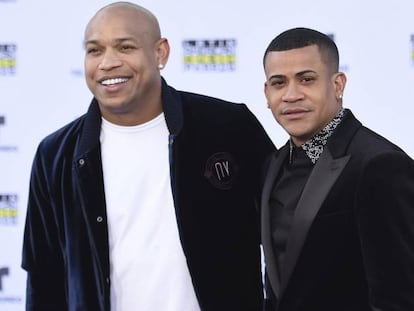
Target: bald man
{"x":146,"y":202}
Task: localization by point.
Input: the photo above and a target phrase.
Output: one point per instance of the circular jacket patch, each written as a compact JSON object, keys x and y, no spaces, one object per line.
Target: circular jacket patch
{"x":221,"y":170}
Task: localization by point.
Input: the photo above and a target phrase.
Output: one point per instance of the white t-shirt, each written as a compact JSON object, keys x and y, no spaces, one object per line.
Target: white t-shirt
{"x":148,"y":267}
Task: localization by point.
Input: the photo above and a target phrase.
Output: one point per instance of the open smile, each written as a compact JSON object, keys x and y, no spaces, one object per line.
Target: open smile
{"x":113,"y":81}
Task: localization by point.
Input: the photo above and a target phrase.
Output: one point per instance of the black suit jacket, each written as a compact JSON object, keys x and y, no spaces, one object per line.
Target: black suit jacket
{"x":351,"y":244}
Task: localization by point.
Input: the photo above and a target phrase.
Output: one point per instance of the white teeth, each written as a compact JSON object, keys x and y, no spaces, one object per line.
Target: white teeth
{"x":114,"y":81}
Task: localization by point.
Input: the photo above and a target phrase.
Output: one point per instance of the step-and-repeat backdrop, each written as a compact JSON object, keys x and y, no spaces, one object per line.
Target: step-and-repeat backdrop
{"x":217,"y":49}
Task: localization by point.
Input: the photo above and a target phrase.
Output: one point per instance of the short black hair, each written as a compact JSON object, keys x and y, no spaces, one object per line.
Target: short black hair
{"x":300,"y":37}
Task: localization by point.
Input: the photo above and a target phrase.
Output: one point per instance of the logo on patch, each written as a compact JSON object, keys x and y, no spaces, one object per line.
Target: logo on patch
{"x":221,"y":170}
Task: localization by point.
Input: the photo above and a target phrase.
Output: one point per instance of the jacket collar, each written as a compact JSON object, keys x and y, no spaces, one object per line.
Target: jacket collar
{"x":341,"y":138}
{"x":172,"y":108}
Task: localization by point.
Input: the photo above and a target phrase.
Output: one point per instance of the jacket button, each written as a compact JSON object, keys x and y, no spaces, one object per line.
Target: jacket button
{"x":81,"y":161}
{"x":99,"y":219}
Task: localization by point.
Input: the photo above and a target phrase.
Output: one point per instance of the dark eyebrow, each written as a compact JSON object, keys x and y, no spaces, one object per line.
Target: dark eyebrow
{"x":119,"y":40}
{"x":301,"y":73}
{"x":298,"y":74}
{"x":276,"y":77}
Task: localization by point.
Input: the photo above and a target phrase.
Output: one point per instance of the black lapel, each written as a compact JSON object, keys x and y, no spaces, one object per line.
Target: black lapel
{"x":272,"y":172}
{"x":323,"y":176}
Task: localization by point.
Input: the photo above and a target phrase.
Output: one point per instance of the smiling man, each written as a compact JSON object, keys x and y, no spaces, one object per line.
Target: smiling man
{"x":148,"y":201}
{"x":338,"y":199}
{"x":124,"y":53}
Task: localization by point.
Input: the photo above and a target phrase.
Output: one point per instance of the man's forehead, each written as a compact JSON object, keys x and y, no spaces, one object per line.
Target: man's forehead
{"x":292,"y":58}
{"x":128,"y":19}
{"x":116,"y":27}
{"x":119,"y":14}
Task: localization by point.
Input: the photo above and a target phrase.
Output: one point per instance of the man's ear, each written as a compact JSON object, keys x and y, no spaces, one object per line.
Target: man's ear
{"x":266,"y":89}
{"x":339,"y":80}
{"x":162,"y":49}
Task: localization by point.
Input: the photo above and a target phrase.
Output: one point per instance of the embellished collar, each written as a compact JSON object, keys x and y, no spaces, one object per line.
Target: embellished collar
{"x":314,"y":146}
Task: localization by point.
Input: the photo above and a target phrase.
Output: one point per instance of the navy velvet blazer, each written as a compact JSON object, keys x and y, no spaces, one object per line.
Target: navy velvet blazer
{"x":216,"y":151}
{"x":351,"y":244}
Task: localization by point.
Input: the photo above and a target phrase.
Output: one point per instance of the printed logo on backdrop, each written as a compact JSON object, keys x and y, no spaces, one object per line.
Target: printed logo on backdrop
{"x":3,"y":147}
{"x":342,"y":67}
{"x":4,"y":271}
{"x":8,"y":59}
{"x":209,"y":55}
{"x":9,"y":210}
{"x":412,"y":49}
{"x":6,"y":298}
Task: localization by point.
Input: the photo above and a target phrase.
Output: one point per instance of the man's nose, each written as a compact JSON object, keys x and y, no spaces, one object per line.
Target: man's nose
{"x":292,"y":93}
{"x":109,"y":60}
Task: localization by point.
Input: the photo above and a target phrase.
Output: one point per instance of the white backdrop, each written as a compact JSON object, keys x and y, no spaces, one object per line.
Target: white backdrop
{"x":42,"y":85}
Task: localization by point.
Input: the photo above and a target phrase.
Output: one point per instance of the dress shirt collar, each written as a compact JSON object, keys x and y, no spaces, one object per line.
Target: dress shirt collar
{"x":314,"y":146}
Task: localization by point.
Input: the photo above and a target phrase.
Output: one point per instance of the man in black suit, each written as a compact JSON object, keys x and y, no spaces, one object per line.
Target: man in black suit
{"x":338,"y":199}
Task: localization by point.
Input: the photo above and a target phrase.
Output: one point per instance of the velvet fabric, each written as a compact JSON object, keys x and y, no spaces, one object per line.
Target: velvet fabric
{"x":351,"y":243}
{"x":216,"y":151}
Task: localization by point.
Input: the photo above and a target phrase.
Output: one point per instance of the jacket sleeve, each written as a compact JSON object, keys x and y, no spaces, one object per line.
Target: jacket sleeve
{"x":261,"y":145}
{"x":42,"y":256}
{"x":386,"y":225}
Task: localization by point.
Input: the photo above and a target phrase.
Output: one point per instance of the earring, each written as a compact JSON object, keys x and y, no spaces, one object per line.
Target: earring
{"x":340,"y":96}
{"x":160,"y":66}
